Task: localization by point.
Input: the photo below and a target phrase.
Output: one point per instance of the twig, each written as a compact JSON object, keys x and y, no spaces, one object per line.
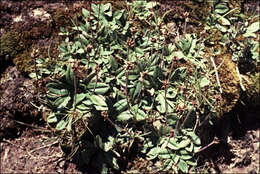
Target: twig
{"x":42,"y":147}
{"x":240,"y":79}
{"x":216,"y":72}
{"x":186,"y":118}
{"x":9,"y":142}
{"x":35,"y":127}
{"x":197,"y":120}
{"x":204,"y":121}
{"x":215,"y":141}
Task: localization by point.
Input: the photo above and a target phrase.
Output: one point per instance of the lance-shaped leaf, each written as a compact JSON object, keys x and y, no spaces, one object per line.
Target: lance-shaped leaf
{"x":184,"y":143}
{"x":183,"y":166}
{"x":69,"y":75}
{"x":221,"y":8}
{"x":172,"y":144}
{"x":134,"y":92}
{"x":61,"y":102}
{"x":99,"y":102}
{"x":121,"y":105}
{"x":161,"y":103}
{"x":124,"y":116}
{"x":101,"y":88}
{"x":52,"y":118}
{"x":254,"y":27}
{"x":79,"y":98}
{"x":140,"y":115}
{"x":164,"y":153}
{"x":61,"y":125}
{"x":153,"y":153}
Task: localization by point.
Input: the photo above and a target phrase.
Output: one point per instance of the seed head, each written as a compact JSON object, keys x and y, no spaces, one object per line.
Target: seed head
{"x":89,"y":48}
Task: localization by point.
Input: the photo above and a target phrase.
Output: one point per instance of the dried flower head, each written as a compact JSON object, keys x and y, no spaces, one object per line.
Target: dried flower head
{"x":89,"y":48}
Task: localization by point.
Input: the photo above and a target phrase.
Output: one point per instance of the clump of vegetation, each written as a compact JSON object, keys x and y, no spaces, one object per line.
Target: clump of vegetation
{"x":10,"y":45}
{"x":117,"y":89}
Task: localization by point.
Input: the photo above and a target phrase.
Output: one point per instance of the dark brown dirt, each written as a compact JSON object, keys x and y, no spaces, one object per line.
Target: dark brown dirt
{"x":34,"y":152}
{"x":238,"y":149}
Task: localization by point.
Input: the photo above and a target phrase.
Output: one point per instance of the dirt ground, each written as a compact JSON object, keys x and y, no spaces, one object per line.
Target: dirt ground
{"x":240,"y":153}
{"x":35,"y":150}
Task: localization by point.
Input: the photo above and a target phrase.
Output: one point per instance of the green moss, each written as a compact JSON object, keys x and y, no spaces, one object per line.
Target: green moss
{"x":11,"y":44}
{"x":24,"y":62}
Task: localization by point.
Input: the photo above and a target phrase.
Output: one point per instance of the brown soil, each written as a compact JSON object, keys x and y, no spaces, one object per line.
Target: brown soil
{"x":34,"y":152}
{"x":238,"y":149}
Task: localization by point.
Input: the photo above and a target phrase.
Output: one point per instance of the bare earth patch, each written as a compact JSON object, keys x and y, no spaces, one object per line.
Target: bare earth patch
{"x":34,"y":153}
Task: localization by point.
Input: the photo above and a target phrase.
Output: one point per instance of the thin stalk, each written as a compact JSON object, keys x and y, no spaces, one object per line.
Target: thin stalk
{"x":166,"y":88}
{"x":216,"y":72}
{"x":36,"y":73}
{"x":186,"y":118}
{"x":215,"y":141}
{"x":75,"y":90}
{"x":126,"y":89}
{"x":240,"y":79}
{"x":88,"y":62}
{"x":95,"y":82}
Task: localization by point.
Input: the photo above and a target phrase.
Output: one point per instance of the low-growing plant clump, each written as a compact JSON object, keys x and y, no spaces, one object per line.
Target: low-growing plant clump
{"x":121,"y":88}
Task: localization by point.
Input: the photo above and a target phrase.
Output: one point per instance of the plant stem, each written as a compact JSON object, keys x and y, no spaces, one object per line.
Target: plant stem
{"x":216,"y":72}
{"x":215,"y":141}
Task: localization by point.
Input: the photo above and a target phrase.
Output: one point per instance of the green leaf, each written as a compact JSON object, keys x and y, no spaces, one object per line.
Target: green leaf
{"x":224,"y":21}
{"x":99,"y":102}
{"x":94,"y":8}
{"x":184,"y":143}
{"x":167,"y":165}
{"x":65,"y":102}
{"x":161,"y":100}
{"x":172,"y":144}
{"x":136,"y":90}
{"x":58,"y":92}
{"x":101,"y":88}
{"x":106,"y":6}
{"x":118,"y":14}
{"x":194,"y":137}
{"x":69,"y":75}
{"x":113,"y":63}
{"x":99,"y":142}
{"x":109,"y":144}
{"x":254,"y":27}
{"x":183,"y":166}
{"x":196,"y":149}
{"x":80,"y":51}
{"x":85,"y":12}
{"x":61,"y":102}
{"x":52,"y":118}
{"x":140,"y":115}
{"x":61,"y":125}
{"x":164,"y":153}
{"x":204,"y":82}
{"x":185,"y":155}
{"x":171,"y":93}
{"x":79,"y":98}
{"x":221,"y":8}
{"x":124,"y":116}
{"x":190,"y":148}
{"x":83,"y":107}
{"x":153,"y":153}
{"x":191,"y":163}
{"x":150,"y":4}
{"x":121,"y":105}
